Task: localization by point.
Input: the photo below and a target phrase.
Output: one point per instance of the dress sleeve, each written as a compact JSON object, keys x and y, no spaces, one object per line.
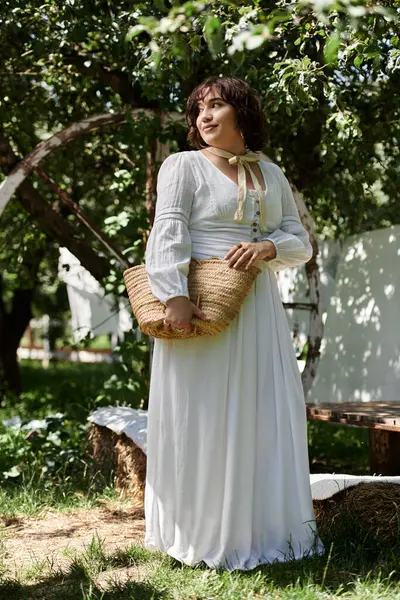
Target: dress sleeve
{"x":291,"y":241}
{"x":168,"y":251}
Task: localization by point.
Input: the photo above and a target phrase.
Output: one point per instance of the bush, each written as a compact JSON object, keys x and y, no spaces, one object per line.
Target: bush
{"x":56,"y":451}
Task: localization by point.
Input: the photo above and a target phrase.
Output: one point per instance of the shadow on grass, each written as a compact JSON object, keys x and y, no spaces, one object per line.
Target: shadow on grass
{"x":348,"y":560}
{"x":73,"y":587}
{"x":341,"y":569}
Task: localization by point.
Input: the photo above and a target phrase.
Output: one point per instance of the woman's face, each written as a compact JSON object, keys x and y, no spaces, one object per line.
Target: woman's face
{"x":216,"y":121}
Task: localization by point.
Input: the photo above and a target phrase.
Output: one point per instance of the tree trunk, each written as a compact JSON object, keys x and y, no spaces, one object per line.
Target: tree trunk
{"x":13,"y":323}
{"x":10,"y":379}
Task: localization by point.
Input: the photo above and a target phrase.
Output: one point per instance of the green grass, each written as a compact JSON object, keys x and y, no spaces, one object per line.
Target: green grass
{"x":99,"y":342}
{"x":93,"y":574}
{"x":33,"y":498}
{"x":69,"y":388}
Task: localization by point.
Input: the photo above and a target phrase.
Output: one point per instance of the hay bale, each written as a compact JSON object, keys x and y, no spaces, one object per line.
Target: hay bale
{"x":101,"y":446}
{"x":130,"y":469}
{"x":118,"y":455}
{"x":365,"y":510}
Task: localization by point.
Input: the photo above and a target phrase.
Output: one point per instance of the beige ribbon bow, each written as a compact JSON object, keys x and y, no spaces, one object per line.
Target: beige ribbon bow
{"x":242,"y":161}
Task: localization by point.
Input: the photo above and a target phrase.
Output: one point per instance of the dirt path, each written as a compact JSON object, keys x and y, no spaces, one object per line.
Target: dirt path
{"x":28,"y":543}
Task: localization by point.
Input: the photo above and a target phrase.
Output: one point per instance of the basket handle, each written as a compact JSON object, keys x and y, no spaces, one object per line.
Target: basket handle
{"x":200,"y":260}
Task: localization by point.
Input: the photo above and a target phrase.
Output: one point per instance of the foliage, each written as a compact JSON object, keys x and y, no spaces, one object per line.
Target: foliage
{"x":328,"y":74}
{"x":54,"y":452}
{"x":337,"y":448}
{"x":131,"y":378}
{"x":63,"y":396}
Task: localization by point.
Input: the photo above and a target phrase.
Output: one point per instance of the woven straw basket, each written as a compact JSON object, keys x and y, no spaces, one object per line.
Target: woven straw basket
{"x":216,"y":288}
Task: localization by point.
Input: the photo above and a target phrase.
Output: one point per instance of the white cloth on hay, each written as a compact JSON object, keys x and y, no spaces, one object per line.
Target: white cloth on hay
{"x":123,"y":419}
{"x":133,"y":422}
{"x":227,"y":470}
{"x":327,"y":485}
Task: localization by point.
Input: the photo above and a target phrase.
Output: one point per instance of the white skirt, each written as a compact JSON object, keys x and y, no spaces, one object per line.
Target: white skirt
{"x":227,"y":460}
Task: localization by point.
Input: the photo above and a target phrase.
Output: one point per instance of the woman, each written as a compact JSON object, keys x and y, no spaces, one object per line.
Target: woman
{"x":227,"y":464}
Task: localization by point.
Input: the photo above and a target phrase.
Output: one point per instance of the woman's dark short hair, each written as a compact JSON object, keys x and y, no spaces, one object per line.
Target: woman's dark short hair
{"x":250,"y":117}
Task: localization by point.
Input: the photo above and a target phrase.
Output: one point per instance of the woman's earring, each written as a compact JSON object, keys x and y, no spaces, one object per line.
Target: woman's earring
{"x":241,"y":133}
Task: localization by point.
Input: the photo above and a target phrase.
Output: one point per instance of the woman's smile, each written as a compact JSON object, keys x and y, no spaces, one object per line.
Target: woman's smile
{"x":208,"y":128}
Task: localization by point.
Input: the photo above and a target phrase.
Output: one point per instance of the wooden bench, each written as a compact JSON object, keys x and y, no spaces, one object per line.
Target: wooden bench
{"x":383,"y":422}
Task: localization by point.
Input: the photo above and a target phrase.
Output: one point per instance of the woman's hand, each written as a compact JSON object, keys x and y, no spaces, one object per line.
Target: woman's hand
{"x":179,"y":313}
{"x":245,"y":254}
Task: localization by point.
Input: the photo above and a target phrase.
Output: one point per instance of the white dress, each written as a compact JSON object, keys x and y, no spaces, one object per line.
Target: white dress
{"x":227,"y":460}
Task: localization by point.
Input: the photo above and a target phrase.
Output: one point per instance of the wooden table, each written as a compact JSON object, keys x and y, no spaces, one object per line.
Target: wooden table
{"x":383,"y":422}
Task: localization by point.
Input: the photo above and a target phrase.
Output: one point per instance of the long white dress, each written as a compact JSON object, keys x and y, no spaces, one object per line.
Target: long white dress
{"x":227,"y":460}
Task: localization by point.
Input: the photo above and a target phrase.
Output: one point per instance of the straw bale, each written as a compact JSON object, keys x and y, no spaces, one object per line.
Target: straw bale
{"x":130,"y":472}
{"x":101,"y":446}
{"x":368,"y":509}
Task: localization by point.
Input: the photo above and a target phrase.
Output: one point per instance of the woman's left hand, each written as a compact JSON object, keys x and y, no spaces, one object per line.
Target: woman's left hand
{"x":245,"y":254}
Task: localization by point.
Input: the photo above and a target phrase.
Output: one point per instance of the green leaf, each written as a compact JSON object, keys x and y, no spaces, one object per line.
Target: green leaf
{"x":371,"y":54}
{"x":331,"y":49}
{"x":358,"y":61}
{"x":160,"y":5}
{"x":195,"y":43}
{"x":212,"y":26}
{"x":213,"y":35}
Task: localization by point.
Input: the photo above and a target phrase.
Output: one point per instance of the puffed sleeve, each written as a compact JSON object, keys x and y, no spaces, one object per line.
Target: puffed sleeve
{"x":291,"y":241}
{"x":168,"y":251}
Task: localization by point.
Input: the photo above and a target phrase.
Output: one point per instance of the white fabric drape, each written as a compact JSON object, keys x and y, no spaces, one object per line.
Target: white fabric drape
{"x":92,"y":310}
{"x":227,"y":465}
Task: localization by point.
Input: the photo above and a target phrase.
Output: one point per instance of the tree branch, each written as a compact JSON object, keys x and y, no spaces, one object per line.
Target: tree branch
{"x":49,"y":220}
{"x":131,"y":93}
{"x":76,"y":209}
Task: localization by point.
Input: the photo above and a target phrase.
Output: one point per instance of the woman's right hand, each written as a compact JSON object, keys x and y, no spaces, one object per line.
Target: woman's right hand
{"x":179,"y":314}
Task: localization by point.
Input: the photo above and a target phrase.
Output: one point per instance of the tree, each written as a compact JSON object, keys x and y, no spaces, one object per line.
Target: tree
{"x":327,"y":74}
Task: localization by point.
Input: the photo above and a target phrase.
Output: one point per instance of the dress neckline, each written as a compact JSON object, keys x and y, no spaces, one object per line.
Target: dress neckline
{"x":231,"y":180}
